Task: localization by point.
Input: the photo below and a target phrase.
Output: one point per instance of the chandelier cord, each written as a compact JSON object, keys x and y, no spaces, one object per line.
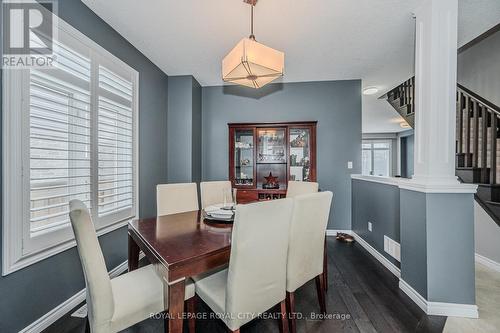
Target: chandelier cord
{"x":252,"y":36}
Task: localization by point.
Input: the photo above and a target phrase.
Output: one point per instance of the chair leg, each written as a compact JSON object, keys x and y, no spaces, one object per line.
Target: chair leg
{"x":325,"y":267}
{"x":320,"y":288}
{"x":283,"y":318}
{"x":290,"y":304}
{"x":191,"y":310}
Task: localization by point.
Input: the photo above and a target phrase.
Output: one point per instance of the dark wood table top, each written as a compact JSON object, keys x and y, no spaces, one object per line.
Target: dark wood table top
{"x":179,"y":239}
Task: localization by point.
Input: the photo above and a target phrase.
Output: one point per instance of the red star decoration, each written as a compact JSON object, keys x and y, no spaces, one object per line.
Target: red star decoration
{"x":271,"y":179}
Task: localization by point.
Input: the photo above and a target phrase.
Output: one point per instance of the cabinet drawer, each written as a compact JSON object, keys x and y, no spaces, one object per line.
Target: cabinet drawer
{"x":244,"y":196}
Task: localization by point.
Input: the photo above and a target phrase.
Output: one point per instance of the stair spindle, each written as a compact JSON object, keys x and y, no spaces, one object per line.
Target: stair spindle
{"x":407,"y":92}
{"x":475,"y":147}
{"x":460,"y":123}
{"x":468,"y":161}
{"x":484,"y":145}
{"x":493,"y":148}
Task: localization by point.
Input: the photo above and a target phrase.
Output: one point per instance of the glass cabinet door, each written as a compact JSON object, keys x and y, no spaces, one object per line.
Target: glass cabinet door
{"x":272,"y":145}
{"x":243,"y":157}
{"x":300,"y":154}
{"x":271,"y":158}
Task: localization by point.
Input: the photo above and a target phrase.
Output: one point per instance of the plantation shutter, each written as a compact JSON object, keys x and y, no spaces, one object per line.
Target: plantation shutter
{"x":115,"y":142}
{"x":59,"y":140}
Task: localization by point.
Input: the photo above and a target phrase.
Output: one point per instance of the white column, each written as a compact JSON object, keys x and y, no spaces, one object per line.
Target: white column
{"x":435,"y":89}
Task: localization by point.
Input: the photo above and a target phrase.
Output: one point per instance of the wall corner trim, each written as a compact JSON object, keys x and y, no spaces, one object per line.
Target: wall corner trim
{"x":439,"y":308}
{"x":487,"y":262}
{"x":426,"y":187}
{"x":56,"y":313}
{"x":378,"y":179}
{"x":383,"y":260}
{"x":419,"y":186}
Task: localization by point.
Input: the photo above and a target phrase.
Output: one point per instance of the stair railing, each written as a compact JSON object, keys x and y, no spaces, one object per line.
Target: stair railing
{"x":405,"y":92}
{"x":476,"y":115}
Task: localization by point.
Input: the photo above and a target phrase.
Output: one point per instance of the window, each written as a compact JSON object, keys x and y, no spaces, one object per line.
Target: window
{"x":70,"y":132}
{"x":376,"y":158}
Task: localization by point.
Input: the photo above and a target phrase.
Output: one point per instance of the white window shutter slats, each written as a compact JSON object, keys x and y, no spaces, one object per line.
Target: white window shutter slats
{"x":60,"y":166}
{"x":115,"y":143}
{"x":70,"y":132}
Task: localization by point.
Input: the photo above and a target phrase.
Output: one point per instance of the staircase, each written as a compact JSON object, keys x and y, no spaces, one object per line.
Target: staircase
{"x":478,"y":140}
{"x":402,"y":99}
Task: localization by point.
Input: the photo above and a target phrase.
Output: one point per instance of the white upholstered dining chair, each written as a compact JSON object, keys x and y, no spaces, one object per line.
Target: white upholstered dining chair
{"x":176,"y":198}
{"x":114,"y":304}
{"x":306,"y":247}
{"x":298,"y":188}
{"x":255,"y":280}
{"x":213,"y":192}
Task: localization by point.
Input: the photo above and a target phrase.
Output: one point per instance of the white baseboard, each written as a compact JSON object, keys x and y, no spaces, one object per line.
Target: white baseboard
{"x":53,"y":315}
{"x":488,"y":262}
{"x":333,"y":232}
{"x":430,"y":308}
{"x":383,"y":260}
{"x":413,"y":294}
{"x":439,"y":308}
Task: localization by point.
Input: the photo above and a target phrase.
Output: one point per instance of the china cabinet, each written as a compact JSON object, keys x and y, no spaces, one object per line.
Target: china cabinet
{"x":263,"y":157}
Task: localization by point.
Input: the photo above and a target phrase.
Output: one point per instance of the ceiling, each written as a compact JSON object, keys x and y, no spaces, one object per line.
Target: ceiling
{"x":322,"y":39}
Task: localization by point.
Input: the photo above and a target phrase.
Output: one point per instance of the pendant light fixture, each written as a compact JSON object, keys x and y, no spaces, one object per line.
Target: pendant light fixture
{"x":251,"y":63}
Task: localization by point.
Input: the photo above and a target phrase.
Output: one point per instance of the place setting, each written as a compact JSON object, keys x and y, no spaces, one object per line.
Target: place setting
{"x":223,"y":213}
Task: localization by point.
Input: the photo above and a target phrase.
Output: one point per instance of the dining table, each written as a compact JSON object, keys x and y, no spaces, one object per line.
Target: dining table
{"x":179,"y":246}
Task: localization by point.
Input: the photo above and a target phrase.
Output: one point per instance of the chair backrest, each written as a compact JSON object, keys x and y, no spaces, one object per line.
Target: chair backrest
{"x":212,"y":192}
{"x":298,"y":188}
{"x":307,"y":238}
{"x":99,"y":292}
{"x":257,"y":267}
{"x":176,"y":198}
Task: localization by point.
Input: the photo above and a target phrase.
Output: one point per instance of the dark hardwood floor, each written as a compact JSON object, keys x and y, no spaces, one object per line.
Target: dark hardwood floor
{"x":362,"y":296}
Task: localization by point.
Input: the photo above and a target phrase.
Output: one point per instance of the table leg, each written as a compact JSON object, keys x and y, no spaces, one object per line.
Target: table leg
{"x":133,"y":254}
{"x":175,"y":295}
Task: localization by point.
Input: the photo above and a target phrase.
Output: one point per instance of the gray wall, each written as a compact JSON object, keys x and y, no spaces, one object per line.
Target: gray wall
{"x":379,"y":204}
{"x":434,"y":230}
{"x":437,"y":245}
{"x":196,"y":133}
{"x":336,"y":105}
{"x":414,"y":240}
{"x":479,"y":68}
{"x":184,"y":129}
{"x":450,"y":248}
{"x":487,"y":234}
{"x":28,"y":294}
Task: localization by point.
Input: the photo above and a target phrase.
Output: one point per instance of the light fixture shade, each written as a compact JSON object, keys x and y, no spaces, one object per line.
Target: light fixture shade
{"x":252,"y":64}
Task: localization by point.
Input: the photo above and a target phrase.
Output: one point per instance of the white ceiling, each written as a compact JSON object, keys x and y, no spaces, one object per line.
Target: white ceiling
{"x":322,"y":39}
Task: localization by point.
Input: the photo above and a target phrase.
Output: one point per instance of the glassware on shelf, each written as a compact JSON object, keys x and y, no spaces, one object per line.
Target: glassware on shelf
{"x":243,"y":157}
{"x":271,"y":146}
{"x":300,"y":158}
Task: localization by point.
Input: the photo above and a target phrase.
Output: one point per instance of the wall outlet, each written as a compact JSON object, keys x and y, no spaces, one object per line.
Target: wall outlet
{"x":349,"y":165}
{"x":393,"y":248}
{"x":370,"y":226}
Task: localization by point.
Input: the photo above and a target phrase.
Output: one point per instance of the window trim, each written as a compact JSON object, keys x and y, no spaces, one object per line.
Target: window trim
{"x":373,"y":149}
{"x":12,"y":233}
